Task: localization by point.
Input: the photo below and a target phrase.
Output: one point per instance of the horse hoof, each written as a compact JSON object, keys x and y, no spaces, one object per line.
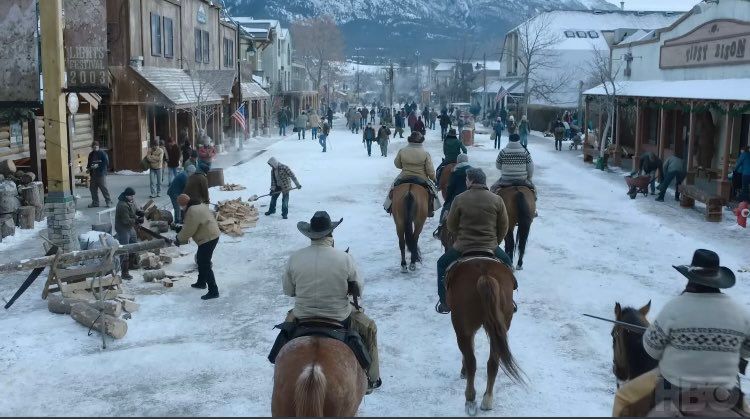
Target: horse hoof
{"x":519,"y":268}
{"x":463,"y":375}
{"x":412,"y":267}
{"x":404,"y":269}
{"x":486,"y":403}
{"x":471,"y":408}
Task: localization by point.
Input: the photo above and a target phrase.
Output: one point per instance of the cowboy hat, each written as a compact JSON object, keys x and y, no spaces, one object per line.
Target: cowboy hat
{"x":452,"y":133}
{"x":705,"y":270}
{"x":320,"y":226}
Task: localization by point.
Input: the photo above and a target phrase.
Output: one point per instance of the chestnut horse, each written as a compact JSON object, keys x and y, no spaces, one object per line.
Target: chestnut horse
{"x":409,"y":210}
{"x":317,"y":376}
{"x":520,"y":206}
{"x":480,"y":294}
{"x":445,"y":178}
{"x":629,"y":357}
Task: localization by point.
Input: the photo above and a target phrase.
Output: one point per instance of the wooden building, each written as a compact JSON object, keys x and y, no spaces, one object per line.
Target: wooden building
{"x":685,"y":90}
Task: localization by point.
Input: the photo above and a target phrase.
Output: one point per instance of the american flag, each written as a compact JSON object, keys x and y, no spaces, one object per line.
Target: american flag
{"x":501,"y":94}
{"x":239,"y":116}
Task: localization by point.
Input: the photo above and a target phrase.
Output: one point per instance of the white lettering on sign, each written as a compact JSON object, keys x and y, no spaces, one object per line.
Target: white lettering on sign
{"x":712,"y":44}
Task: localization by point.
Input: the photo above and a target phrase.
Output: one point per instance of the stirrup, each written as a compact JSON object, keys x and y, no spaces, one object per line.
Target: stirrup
{"x":437,"y":308}
{"x":436,"y":233}
{"x":515,"y":307}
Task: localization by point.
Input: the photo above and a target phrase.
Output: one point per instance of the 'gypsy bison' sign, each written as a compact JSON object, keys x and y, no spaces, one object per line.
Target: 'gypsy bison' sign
{"x":85,"y":41}
{"x":19,"y":63}
{"x":715,"y":43}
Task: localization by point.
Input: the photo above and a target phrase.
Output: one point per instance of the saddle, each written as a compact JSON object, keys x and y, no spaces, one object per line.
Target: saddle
{"x":413,"y":180}
{"x":477,"y":255}
{"x":320,"y":327}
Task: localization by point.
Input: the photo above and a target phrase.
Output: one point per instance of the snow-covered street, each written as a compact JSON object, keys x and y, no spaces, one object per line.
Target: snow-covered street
{"x":590,"y":247}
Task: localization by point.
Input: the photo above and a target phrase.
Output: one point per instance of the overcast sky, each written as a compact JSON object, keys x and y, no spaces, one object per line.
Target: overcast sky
{"x":679,"y":5}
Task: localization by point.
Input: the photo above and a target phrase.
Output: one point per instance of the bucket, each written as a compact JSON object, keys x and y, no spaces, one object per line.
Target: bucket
{"x":215,"y":177}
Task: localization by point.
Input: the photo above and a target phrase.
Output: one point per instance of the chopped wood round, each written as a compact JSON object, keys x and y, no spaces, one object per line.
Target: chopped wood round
{"x":25,"y":217}
{"x":7,"y":167}
{"x":9,"y":201}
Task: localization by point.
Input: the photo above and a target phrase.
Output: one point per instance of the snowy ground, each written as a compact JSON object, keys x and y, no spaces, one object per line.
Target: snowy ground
{"x":590,"y":246}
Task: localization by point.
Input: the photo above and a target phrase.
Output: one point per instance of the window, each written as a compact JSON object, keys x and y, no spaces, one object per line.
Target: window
{"x":570,"y":34}
{"x":155,"y":34}
{"x":206,"y":47}
{"x":278,"y":47}
{"x":581,"y":34}
{"x":198,"y":47}
{"x":228,"y":53}
{"x":168,"y":38}
{"x":593,"y":34}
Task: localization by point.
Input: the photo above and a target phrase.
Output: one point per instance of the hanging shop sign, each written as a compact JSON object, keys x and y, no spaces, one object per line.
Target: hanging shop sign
{"x":715,"y":43}
{"x":19,"y":62}
{"x":85,"y":42}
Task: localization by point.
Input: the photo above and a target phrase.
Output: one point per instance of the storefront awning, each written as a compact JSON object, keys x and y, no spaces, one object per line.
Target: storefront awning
{"x":494,"y":86}
{"x":221,"y":80}
{"x":253,"y":91}
{"x":179,"y":88}
{"x":726,"y":89}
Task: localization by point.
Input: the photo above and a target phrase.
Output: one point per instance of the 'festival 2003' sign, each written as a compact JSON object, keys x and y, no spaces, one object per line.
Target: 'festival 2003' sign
{"x":85,"y":41}
{"x":720,"y":42}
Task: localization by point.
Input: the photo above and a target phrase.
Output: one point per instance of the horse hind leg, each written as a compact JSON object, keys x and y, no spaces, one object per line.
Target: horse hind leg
{"x":493,"y":365}
{"x":510,"y":245}
{"x":523,"y":236}
{"x":402,"y":247}
{"x":466,"y":345}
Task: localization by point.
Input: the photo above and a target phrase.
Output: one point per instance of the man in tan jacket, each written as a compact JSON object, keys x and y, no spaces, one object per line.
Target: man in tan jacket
{"x":319,"y":278}
{"x":200,"y":225}
{"x":155,"y":158}
{"x":416,"y":167}
{"x":479,"y":222}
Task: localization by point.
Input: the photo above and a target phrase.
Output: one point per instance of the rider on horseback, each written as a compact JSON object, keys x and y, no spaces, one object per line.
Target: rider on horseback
{"x":515,"y":165}
{"x":320,"y":277}
{"x":456,"y":186}
{"x":698,"y":338}
{"x":479,"y":222}
{"x":452,"y":147}
{"x":416,"y":167}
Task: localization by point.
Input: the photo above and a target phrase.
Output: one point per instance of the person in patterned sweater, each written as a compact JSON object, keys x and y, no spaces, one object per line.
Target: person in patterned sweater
{"x":698,"y":338}
{"x":515,"y":165}
{"x":281,"y":183}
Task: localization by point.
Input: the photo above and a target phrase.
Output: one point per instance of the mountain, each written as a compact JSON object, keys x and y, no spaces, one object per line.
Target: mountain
{"x":397,"y":28}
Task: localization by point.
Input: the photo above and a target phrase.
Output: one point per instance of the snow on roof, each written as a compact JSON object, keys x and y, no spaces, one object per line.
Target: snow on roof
{"x":714,"y":89}
{"x":638,"y":35}
{"x":253,"y":90}
{"x":445,"y":66}
{"x":582,"y":29}
{"x":178,"y":86}
{"x":508,"y":84}
{"x":448,"y":65}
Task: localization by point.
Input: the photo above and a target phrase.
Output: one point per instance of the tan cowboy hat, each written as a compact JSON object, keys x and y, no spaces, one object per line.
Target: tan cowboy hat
{"x":320,"y":226}
{"x":705,"y":270}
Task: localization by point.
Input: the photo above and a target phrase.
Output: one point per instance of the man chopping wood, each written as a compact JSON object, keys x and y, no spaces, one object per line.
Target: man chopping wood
{"x":126,"y":218}
{"x":201,"y":226}
{"x":281,"y":183}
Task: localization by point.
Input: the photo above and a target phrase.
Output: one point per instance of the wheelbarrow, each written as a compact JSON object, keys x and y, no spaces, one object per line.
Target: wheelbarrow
{"x":637,"y":184}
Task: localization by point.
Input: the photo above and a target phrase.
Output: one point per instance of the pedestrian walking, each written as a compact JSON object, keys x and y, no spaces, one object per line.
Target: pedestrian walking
{"x":558,"y":130}
{"x":300,"y":125}
{"x":97,"y":167}
{"x":497,"y":130}
{"x":523,"y":131}
{"x":330,"y":116}
{"x":155,"y":159}
{"x":368,"y":136}
{"x":323,"y":139}
{"x":399,"y":126}
{"x":384,"y":135}
{"x":314,"y":121}
{"x":445,"y":122}
{"x":281,"y":183}
{"x":201,"y":226}
{"x":282,"y":119}
{"x":173,"y":159}
{"x":419,"y":126}
{"x":164,"y":165}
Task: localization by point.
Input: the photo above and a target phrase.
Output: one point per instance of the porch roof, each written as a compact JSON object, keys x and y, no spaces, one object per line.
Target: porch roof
{"x":178,"y":87}
{"x":253,"y":91}
{"x":725,"y":89}
{"x":221,"y":80}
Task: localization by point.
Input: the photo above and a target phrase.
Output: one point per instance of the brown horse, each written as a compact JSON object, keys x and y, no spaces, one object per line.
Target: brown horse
{"x":317,"y":376}
{"x":480,"y":294}
{"x":445,"y":178}
{"x":629,"y":358}
{"x":521,"y":206}
{"x":409,"y":210}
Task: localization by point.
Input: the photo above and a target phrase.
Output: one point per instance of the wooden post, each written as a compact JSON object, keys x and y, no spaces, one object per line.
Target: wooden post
{"x":638,"y":135}
{"x":661,"y":141}
{"x":586,"y":127}
{"x":723,"y":187}
{"x":60,"y":203}
{"x":618,"y":133}
{"x":689,"y":153}
{"x":34,"y":154}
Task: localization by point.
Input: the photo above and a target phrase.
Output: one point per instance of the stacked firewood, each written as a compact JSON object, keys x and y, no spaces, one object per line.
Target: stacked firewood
{"x":235,"y":215}
{"x":21,"y":199}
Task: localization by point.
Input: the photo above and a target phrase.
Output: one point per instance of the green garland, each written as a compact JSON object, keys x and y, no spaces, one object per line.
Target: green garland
{"x":15,"y":114}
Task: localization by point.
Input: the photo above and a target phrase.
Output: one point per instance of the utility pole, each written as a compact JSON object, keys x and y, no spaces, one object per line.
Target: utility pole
{"x":484,"y":67}
{"x":239,"y":87}
{"x":419,"y":82}
{"x":60,"y":203}
{"x":391,"y":86}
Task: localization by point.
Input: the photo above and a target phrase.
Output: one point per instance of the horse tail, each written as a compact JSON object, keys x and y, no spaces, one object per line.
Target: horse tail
{"x":494,"y":323}
{"x":310,"y":392}
{"x":524,"y":217}
{"x":409,"y":216}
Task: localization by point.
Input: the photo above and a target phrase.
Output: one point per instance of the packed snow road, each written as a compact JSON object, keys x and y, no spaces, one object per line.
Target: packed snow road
{"x":589,"y":247}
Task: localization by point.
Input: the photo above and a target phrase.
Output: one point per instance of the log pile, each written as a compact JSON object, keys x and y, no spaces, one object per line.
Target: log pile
{"x":235,"y":215}
{"x":232,"y":187}
{"x":21,"y":199}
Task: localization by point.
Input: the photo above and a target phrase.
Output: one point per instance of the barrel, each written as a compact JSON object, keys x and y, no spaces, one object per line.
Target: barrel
{"x":467,"y":136}
{"x":215,"y":177}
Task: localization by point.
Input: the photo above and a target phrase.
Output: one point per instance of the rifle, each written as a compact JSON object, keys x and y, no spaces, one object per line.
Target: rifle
{"x":353,"y":289}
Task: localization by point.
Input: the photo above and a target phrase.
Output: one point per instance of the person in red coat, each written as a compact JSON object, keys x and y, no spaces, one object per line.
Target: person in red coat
{"x":419,"y":126}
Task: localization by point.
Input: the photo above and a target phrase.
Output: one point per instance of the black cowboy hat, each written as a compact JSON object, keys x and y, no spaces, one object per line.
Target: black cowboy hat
{"x":452,"y":133}
{"x":705,"y":270}
{"x":320,"y":226}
